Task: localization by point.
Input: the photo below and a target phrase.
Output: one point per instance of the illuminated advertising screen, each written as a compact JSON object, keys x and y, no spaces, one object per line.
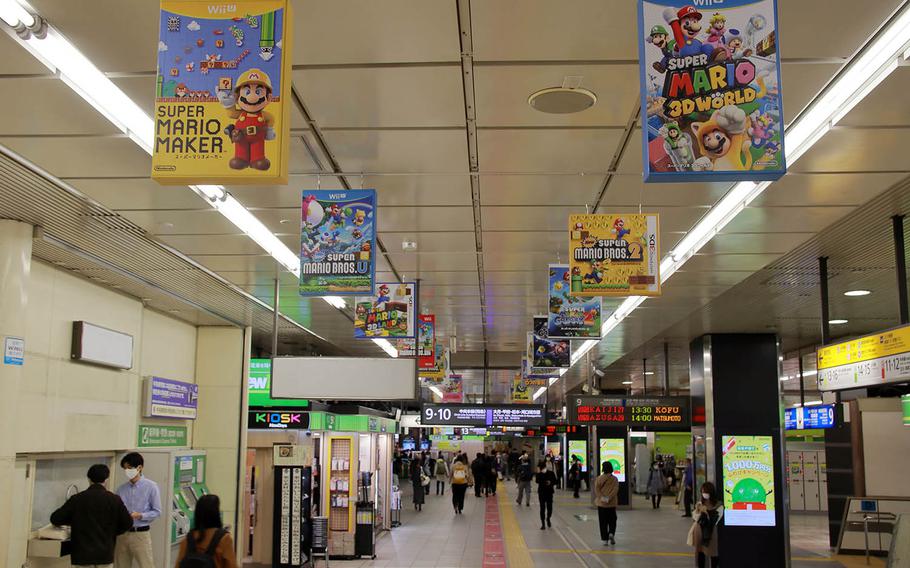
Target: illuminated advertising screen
{"x":637,"y":412}
{"x":905,"y":404}
{"x":613,"y":450}
{"x":483,"y":415}
{"x":579,"y":449}
{"x":748,"y":481}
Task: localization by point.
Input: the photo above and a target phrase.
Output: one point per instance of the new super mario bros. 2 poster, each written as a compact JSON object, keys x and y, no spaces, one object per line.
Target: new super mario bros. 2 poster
{"x":222,"y":100}
{"x":710,"y":90}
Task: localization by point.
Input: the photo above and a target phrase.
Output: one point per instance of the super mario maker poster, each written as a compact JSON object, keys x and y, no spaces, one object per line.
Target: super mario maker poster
{"x":222,"y":100}
{"x":710,"y":90}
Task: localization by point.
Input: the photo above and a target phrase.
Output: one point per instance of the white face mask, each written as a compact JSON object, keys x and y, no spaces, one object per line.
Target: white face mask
{"x":131,"y":473}
{"x":705,"y":496}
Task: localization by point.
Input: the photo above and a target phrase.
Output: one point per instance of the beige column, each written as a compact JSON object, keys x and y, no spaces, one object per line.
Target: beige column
{"x":222,"y":362}
{"x":15,"y":264}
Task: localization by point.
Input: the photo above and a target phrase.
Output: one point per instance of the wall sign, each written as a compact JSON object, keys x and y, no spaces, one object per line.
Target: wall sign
{"x":614,"y":255}
{"x":484,"y":415}
{"x":809,"y":417}
{"x":867,"y":361}
{"x":639,"y":412}
{"x":387,"y":313}
{"x":222,"y":98}
{"x":568,"y":316}
{"x":748,"y":481}
{"x":710,"y":90}
{"x":13,"y":351}
{"x":152,"y":436}
{"x":274,"y":420}
{"x":166,"y":398}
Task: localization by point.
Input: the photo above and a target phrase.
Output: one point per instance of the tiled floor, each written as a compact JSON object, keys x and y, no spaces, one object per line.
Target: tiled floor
{"x":435,"y":537}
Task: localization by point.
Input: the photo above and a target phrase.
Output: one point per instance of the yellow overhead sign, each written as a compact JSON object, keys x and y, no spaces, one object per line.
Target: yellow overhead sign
{"x":885,"y":344}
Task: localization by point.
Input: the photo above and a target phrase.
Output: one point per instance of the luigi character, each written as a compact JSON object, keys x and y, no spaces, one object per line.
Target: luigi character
{"x":253,"y":126}
{"x":660,"y":38}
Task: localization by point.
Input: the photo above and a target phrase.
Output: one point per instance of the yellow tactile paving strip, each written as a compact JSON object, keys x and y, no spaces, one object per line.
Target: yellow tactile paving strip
{"x":517,"y":553}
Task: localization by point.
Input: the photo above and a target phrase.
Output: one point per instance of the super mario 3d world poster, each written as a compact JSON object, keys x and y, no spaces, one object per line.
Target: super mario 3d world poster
{"x":710,"y":90}
{"x":222,"y":100}
{"x":337,"y":242}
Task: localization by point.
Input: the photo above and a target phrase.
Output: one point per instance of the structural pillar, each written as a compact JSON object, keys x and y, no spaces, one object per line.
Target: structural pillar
{"x":735,"y":384}
{"x":15,"y":265}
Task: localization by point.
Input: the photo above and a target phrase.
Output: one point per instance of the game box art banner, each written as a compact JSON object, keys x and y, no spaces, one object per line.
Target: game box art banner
{"x":222,"y":94}
{"x":571,"y":317}
{"x":614,"y":255}
{"x":337,"y":242}
{"x":426,"y":342}
{"x":710,"y":90}
{"x":748,"y":485}
{"x":387,"y":313}
{"x":546,"y":353}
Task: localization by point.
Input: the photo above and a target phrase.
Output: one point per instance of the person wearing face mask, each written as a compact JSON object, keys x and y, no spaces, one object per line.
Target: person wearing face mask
{"x":143,"y":500}
{"x":703,"y":534}
{"x":656,"y":485}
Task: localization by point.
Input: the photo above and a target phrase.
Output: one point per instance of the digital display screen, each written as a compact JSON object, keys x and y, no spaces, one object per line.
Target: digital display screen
{"x":748,"y":481}
{"x":483,"y":415}
{"x":626,"y":411}
{"x":613,"y":450}
{"x":579,"y":449}
{"x":809,"y":417}
{"x":408,"y":444}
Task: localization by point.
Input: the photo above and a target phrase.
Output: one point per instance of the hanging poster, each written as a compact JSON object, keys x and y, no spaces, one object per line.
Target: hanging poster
{"x":538,"y":377}
{"x":426,"y":341}
{"x":546,"y":352}
{"x":748,"y":484}
{"x":521,"y":392}
{"x":407,"y":347}
{"x":441,"y":367}
{"x":614,"y":255}
{"x":569,"y":316}
{"x":222,"y":94}
{"x":452,"y":389}
{"x":337,"y":242}
{"x":387,"y":313}
{"x":710,"y":90}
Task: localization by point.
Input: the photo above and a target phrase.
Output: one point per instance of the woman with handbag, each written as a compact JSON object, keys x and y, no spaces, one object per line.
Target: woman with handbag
{"x":417,"y":482}
{"x":703,"y":534}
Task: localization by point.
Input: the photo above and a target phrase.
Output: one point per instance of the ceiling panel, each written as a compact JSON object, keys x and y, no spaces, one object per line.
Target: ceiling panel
{"x":820,"y":15}
{"x":844,"y":150}
{"x":411,"y":219}
{"x":778,"y":243}
{"x":442,"y":278}
{"x":18,"y":61}
{"x":783,"y":219}
{"x":430,"y":243}
{"x":801,"y":82}
{"x":546,"y":150}
{"x":826,"y":189}
{"x":629,"y":189}
{"x":413,"y":263}
{"x":537,"y":189}
{"x":399,"y":151}
{"x":138,"y":193}
{"x":879,"y":108}
{"x":556,"y":218}
{"x":401,"y":96}
{"x":48,"y":106}
{"x":67,"y":156}
{"x":520,"y":242}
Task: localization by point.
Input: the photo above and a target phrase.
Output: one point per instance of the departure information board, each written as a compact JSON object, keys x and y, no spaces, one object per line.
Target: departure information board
{"x":809,"y":417}
{"x":483,"y":415}
{"x":657,"y":412}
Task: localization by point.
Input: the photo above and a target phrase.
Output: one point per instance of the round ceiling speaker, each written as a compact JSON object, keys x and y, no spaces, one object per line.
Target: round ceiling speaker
{"x":562,"y":100}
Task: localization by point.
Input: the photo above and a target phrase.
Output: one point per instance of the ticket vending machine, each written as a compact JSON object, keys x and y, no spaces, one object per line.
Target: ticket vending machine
{"x":180,"y":475}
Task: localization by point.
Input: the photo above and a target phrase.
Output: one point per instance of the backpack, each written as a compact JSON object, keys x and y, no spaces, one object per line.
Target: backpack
{"x":196,"y":559}
{"x":440,"y":466}
{"x":459,"y":475}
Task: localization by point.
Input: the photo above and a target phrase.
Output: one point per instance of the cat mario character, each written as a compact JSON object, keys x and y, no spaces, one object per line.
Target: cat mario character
{"x":723,"y":140}
{"x":253,"y":125}
{"x":619,"y":228}
{"x":660,"y":38}
{"x":685,"y":24}
{"x":383,"y":295}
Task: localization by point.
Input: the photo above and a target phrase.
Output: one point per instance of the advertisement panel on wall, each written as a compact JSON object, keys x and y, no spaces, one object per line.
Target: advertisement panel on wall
{"x":876,"y":359}
{"x":710,"y":91}
{"x":222,"y":94}
{"x":387,"y":313}
{"x":337,"y":242}
{"x":578,"y":449}
{"x":545,"y":353}
{"x":748,"y":481}
{"x":426,"y":341}
{"x":613,"y":450}
{"x":615,"y":254}
{"x":568,"y":316}
{"x":167,"y":398}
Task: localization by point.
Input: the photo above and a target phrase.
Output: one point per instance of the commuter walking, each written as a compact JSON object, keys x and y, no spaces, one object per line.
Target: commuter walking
{"x":442,"y":474}
{"x":688,"y":483}
{"x":96,"y":517}
{"x":524,"y":476}
{"x":557,"y":467}
{"x":477,"y":468}
{"x":606,"y":491}
{"x":460,"y":479}
{"x":575,"y":476}
{"x":490,"y":463}
{"x":208,"y":544}
{"x":546,"y":485}
{"x":417,"y":482}
{"x":656,"y":485}
{"x":703,"y":535}
{"x":143,"y":500}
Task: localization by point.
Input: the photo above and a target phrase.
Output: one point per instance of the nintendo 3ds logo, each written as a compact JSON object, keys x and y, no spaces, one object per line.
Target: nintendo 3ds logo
{"x":277,"y":420}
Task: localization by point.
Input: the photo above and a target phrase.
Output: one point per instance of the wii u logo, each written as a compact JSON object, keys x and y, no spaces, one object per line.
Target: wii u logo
{"x":707,"y":2}
{"x":223,"y":9}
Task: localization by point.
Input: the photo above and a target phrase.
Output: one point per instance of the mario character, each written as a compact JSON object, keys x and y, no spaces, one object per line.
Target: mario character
{"x":253,"y":126}
{"x":685,"y":24}
{"x":660,"y":38}
{"x":619,"y":227}
{"x":723,"y":141}
{"x":181,"y":91}
{"x":718,"y":25}
{"x":677,"y":145}
{"x":336,"y":215}
{"x":359,"y":217}
{"x":383,"y":295}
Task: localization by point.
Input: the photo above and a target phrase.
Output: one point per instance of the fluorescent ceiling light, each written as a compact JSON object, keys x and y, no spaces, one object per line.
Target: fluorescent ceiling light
{"x":386,"y":346}
{"x":627,"y":382}
{"x":436,"y":390}
{"x":335,"y":302}
{"x":539,"y":392}
{"x":837,"y":321}
{"x":855,"y":293}
{"x":649,"y":372}
{"x":13,"y":14}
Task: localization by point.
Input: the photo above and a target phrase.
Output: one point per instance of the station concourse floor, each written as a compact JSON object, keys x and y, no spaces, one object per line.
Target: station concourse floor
{"x":645,"y":538}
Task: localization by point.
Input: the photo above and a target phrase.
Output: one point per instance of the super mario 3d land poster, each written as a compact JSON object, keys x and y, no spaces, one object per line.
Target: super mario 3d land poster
{"x":710,"y":90}
{"x":222,"y":100}
{"x":337,"y":242}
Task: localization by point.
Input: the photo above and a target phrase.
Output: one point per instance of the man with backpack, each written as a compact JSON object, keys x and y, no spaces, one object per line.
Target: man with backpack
{"x":524,"y":477}
{"x":442,"y":473}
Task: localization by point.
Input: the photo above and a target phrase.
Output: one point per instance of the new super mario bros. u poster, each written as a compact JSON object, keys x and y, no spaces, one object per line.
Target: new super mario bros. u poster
{"x":222,"y":100}
{"x":710,"y":90}
{"x":337,"y":242}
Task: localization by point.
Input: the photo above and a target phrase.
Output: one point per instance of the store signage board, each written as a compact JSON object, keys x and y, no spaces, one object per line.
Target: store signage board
{"x":809,"y":417}
{"x":614,"y":254}
{"x":155,"y":436}
{"x":877,"y":359}
{"x":337,"y":242}
{"x":639,"y":412}
{"x":275,"y":420}
{"x":260,"y":388}
{"x":387,"y":313}
{"x":167,"y":398}
{"x":223,"y":93}
{"x":748,"y":481}
{"x":13,"y":351}
{"x":483,"y":415}
{"x":710,"y":90}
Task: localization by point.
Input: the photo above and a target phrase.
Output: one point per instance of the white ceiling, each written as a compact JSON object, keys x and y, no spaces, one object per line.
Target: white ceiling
{"x":382,"y":82}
